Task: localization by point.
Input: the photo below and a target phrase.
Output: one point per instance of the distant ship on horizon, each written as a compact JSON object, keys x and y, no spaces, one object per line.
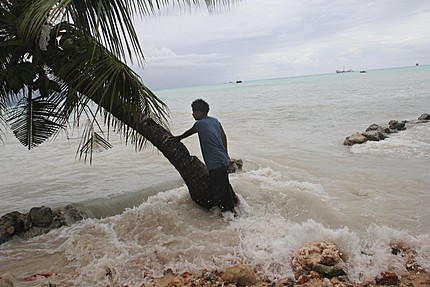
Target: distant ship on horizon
{"x":344,"y":71}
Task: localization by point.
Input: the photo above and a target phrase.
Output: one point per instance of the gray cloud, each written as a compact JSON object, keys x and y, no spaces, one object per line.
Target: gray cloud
{"x":279,"y":38}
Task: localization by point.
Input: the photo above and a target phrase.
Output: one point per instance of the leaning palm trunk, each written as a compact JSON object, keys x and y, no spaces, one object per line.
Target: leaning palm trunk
{"x":123,"y":96}
{"x":191,"y":169}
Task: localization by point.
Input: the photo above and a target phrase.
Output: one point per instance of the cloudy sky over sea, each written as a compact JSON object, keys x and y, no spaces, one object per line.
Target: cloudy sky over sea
{"x":261,"y":39}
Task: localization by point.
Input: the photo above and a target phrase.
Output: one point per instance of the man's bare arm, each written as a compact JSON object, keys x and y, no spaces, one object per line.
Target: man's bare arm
{"x":186,"y":134}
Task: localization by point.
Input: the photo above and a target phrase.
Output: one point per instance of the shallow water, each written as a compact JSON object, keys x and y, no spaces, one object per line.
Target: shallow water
{"x":299,"y":184}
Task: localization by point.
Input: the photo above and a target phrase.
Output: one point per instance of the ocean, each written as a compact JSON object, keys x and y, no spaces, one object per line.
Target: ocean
{"x":299,"y":184}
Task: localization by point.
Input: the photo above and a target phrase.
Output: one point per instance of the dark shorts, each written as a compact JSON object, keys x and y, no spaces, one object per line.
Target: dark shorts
{"x":224,"y":196}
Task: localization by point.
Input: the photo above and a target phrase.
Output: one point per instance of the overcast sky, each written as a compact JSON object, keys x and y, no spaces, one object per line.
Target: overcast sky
{"x":262,"y":39}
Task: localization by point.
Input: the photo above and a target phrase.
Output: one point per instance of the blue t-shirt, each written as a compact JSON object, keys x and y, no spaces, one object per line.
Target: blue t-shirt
{"x":211,"y":143}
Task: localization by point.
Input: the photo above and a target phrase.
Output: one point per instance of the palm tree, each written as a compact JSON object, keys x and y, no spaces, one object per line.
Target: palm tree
{"x":64,"y":61}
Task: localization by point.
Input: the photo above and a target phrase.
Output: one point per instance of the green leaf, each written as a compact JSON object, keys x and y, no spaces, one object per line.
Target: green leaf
{"x":34,"y":121}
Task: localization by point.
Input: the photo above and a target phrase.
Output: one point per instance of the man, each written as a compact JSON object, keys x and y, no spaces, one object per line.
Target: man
{"x":213,"y":143}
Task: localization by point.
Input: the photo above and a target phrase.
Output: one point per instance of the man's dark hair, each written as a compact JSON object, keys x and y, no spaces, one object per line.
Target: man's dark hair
{"x":201,"y":106}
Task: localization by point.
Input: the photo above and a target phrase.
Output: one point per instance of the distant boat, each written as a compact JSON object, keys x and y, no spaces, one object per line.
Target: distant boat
{"x":362,"y":71}
{"x":238,"y":82}
{"x":344,"y":71}
{"x":417,"y":64}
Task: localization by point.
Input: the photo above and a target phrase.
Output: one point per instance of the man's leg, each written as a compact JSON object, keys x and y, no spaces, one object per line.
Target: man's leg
{"x":234,"y":195}
{"x":224,"y":196}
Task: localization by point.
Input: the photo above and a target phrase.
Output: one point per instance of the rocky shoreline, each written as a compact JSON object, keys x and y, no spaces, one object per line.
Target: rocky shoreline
{"x":377,"y":133}
{"x":37,"y":221}
{"x":316,"y":264}
{"x":410,"y":279}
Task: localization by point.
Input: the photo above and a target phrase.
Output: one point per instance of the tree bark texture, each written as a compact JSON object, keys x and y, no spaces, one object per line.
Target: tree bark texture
{"x":191,"y":169}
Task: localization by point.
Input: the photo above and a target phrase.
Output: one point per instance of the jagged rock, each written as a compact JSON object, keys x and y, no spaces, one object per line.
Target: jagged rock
{"x":355,"y":139}
{"x":240,"y":275}
{"x":374,"y":135}
{"x":37,"y":221}
{"x":424,"y":117}
{"x":375,"y":127}
{"x":41,"y":216}
{"x":322,"y":257}
{"x":72,"y":215}
{"x":13,"y":223}
{"x":396,"y":125}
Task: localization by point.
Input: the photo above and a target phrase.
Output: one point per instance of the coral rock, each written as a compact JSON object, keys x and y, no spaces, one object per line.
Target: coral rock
{"x":240,"y":275}
{"x":321,"y":257}
{"x":387,"y":278}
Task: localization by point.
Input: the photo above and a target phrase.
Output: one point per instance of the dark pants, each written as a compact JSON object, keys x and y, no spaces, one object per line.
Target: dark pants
{"x":224,"y":196}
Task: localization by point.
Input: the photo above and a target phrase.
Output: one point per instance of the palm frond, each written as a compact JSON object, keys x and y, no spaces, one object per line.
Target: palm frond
{"x":108,"y":21}
{"x":33,"y":121}
{"x":92,"y":142}
{"x":97,"y":75}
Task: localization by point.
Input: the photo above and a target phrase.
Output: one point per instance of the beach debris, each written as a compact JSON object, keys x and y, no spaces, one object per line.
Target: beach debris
{"x":324,"y":258}
{"x":240,"y":274}
{"x":376,"y":132}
